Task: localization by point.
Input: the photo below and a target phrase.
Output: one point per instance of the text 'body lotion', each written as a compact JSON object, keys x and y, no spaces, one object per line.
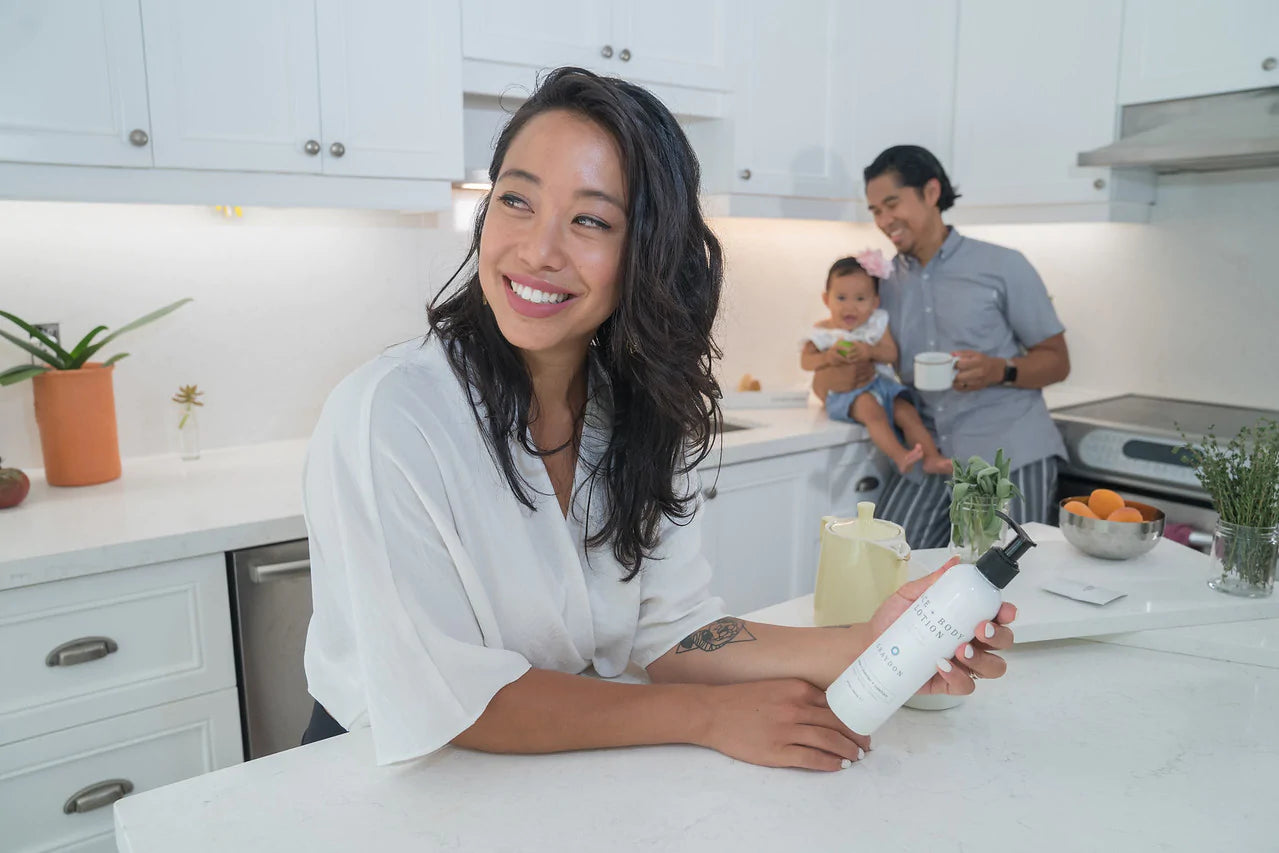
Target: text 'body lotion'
{"x":904,"y":657}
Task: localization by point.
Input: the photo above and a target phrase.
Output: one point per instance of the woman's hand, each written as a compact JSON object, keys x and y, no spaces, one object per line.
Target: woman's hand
{"x":780,"y":723}
{"x":972,"y":660}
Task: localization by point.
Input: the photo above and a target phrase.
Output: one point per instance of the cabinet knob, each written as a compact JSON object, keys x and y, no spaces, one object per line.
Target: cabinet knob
{"x":337,"y":149}
{"x":139,"y":137}
{"x":1269,"y":63}
{"x":710,"y":492}
{"x":867,"y":484}
{"x":744,"y":174}
{"x":625,"y":55}
{"x":82,"y":650}
{"x":1099,"y":184}
{"x":607,"y":51}
{"x":97,"y":795}
{"x":312,"y":147}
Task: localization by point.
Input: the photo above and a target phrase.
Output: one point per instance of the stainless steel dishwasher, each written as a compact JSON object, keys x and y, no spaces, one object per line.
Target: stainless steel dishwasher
{"x":271,"y":596}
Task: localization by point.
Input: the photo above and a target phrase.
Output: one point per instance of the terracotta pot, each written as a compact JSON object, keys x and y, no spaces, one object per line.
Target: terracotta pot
{"x":75,"y":411}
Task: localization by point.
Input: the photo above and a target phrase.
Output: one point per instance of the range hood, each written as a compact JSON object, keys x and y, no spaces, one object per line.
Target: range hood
{"x":1238,"y":130}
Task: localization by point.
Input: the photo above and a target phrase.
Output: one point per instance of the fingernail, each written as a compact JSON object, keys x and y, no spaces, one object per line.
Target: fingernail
{"x":943,"y":665}
{"x":990,"y":630}
{"x":861,"y":753}
{"x":845,"y":764}
{"x":968,"y":652}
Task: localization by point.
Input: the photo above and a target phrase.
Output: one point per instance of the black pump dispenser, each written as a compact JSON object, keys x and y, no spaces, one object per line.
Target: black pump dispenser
{"x":999,"y":565}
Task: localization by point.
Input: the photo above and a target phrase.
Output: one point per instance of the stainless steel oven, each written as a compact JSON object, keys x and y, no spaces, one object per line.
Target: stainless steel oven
{"x":271,"y":609}
{"x":1129,"y":444}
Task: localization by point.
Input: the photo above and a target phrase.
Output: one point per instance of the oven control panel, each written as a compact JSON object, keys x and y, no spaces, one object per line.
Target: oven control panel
{"x":1134,"y":455}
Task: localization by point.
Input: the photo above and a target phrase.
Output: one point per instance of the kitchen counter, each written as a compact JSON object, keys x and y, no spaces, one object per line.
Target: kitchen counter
{"x":1081,"y":746}
{"x":164,"y":508}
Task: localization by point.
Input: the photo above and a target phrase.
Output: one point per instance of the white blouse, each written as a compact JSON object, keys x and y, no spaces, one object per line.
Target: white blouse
{"x":434,"y":587}
{"x":871,"y":332}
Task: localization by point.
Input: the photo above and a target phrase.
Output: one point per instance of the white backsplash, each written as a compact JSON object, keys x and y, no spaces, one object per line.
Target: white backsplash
{"x":289,"y":301}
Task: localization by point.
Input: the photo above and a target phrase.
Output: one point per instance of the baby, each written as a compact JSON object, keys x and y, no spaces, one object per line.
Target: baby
{"x":857,"y":331}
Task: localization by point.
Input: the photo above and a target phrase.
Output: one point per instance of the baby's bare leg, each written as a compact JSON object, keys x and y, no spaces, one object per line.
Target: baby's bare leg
{"x":912,"y":426}
{"x":867,"y":411}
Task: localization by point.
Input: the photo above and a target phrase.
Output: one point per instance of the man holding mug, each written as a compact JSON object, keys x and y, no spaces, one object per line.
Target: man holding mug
{"x":975,"y":314}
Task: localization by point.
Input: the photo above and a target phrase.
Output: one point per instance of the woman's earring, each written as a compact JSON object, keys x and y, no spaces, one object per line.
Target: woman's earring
{"x":484,"y":300}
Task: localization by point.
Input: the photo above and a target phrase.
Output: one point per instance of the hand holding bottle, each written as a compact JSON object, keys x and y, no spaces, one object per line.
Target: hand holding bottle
{"x":964,"y":671}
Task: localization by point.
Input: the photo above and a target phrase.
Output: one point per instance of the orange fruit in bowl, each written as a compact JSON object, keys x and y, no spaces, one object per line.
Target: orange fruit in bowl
{"x":1125,"y":513}
{"x":1079,"y":508}
{"x":1103,"y":502}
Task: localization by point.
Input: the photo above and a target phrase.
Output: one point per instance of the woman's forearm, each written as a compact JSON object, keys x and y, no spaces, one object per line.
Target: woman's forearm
{"x":547,"y":711}
{"x":732,"y":650}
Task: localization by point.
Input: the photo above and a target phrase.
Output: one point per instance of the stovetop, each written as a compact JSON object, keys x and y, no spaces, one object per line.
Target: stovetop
{"x":1164,"y":417}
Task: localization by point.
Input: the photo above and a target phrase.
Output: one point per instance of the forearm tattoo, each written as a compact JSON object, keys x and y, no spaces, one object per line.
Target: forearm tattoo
{"x":716,"y":636}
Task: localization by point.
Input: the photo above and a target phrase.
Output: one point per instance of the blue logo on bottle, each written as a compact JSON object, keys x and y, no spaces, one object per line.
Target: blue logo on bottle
{"x":895,"y":650}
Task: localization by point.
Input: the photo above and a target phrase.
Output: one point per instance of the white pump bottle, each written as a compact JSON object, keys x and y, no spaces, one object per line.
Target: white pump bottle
{"x":904,"y":657}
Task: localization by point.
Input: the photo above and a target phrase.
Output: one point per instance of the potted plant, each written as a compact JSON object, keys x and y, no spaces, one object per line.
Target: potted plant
{"x":74,"y":400}
{"x":1243,"y":480}
{"x":977,"y":491}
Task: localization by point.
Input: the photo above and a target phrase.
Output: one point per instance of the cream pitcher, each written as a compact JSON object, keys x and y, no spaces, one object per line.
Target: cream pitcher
{"x":863,"y":561}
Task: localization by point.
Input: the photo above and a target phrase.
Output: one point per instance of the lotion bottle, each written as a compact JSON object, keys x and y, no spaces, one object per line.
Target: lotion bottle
{"x":905,"y":656}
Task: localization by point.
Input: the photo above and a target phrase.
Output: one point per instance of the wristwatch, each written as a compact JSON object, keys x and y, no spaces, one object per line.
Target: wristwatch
{"x":1010,"y":372}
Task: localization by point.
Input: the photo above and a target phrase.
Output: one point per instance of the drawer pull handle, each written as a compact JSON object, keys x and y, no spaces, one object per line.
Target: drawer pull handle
{"x":867,"y":484}
{"x":275,"y":571}
{"x":97,"y":795}
{"x":82,"y":650}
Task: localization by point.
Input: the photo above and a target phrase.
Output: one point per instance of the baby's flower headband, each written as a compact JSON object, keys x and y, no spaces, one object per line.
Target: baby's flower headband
{"x":874,"y":262}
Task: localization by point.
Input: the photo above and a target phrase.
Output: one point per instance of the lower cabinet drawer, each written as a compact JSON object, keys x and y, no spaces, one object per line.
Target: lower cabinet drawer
{"x":56,"y":790}
{"x":86,"y":648}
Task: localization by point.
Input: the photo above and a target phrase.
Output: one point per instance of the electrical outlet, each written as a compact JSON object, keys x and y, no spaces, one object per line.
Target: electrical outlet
{"x":51,"y":330}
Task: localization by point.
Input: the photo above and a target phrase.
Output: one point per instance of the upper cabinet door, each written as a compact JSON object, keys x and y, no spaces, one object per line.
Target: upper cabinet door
{"x":390,"y":88}
{"x":233,"y":84}
{"x":793,"y":130}
{"x":898,"y":99}
{"x":73,"y":86}
{"x":1035,"y":85}
{"x":545,"y":34}
{"x":1198,"y":47}
{"x":651,"y":48}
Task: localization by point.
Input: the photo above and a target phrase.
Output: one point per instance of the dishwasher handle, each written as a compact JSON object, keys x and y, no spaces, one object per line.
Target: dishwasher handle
{"x":268,"y":572}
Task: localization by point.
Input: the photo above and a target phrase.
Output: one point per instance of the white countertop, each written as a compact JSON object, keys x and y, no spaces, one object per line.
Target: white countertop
{"x":1165,"y":588}
{"x":164,"y":508}
{"x":1082,"y":746}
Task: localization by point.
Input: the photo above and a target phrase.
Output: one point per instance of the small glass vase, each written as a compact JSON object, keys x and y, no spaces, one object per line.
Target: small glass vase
{"x":974,"y":527}
{"x":1243,"y":559}
{"x":188,"y":424}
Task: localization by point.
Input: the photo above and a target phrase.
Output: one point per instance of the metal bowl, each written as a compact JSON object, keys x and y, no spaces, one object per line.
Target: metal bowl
{"x":1112,"y":540}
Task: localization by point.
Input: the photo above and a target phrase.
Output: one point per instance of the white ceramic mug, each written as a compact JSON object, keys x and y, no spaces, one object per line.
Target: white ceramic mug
{"x":935,"y":371}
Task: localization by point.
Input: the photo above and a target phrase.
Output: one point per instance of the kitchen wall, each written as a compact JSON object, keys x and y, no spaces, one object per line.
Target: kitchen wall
{"x":289,"y":301}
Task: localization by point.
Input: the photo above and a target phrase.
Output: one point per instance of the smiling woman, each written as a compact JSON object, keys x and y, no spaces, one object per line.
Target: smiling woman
{"x":512,"y":501}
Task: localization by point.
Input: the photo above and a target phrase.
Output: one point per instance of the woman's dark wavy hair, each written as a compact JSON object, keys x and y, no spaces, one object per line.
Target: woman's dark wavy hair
{"x":914,"y":166}
{"x":656,"y":349}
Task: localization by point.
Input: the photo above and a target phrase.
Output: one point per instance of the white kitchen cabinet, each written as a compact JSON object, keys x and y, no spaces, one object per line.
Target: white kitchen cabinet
{"x":40,"y":777}
{"x":73,"y":85}
{"x":895,"y":101}
{"x":762,"y":519}
{"x":676,"y":48}
{"x":1197,"y":47}
{"x":115,"y":682}
{"x":233,"y":84}
{"x":369,"y":89}
{"x":390,"y":75}
{"x":1035,"y":85}
{"x":792,"y":126}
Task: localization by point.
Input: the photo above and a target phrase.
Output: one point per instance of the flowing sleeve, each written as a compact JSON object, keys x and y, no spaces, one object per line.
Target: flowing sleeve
{"x":675,"y":598}
{"x":402,"y":629}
